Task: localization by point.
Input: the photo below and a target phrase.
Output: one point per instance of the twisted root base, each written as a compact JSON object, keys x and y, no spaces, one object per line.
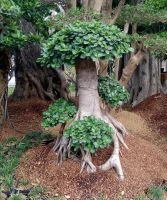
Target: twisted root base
{"x":89,"y":105}
{"x":62,"y":147}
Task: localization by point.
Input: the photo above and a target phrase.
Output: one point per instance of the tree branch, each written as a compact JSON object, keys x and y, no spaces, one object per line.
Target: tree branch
{"x":131,"y":66}
{"x":107,"y":10}
{"x":117,"y":11}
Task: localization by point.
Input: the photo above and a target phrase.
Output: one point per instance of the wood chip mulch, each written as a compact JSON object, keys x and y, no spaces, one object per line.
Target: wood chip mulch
{"x":144,"y":163}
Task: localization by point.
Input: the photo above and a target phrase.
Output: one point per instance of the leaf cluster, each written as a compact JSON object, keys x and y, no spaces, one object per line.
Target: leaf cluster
{"x":35,"y":11}
{"x":155,"y":43}
{"x":160,"y":4}
{"x":58,"y":113}
{"x":86,"y":40}
{"x":12,"y":11}
{"x":10,"y":34}
{"x":111,"y":91}
{"x":89,"y":133}
{"x":142,"y":14}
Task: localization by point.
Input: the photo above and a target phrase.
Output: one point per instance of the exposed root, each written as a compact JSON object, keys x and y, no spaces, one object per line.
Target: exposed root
{"x":117,"y":124}
{"x":87,"y":162}
{"x":62,"y":148}
{"x":114,"y":160}
{"x":119,"y":131}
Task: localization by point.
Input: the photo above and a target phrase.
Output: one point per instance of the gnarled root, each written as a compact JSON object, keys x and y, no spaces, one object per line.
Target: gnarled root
{"x":119,"y":131}
{"x":62,"y":147}
{"x":87,"y":162}
{"x":114,"y":160}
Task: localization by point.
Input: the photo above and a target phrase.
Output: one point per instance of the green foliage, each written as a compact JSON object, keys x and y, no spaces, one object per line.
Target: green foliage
{"x":71,"y":16}
{"x":150,"y":16}
{"x":23,"y":182}
{"x":35,"y":11}
{"x":10,"y":90}
{"x":155,"y":43}
{"x":142,"y":14}
{"x":89,"y":133}
{"x":12,"y":11}
{"x":58,"y":113}
{"x":10,"y":34}
{"x":17,"y":197}
{"x":112,"y":92}
{"x":90,"y":40}
{"x":36,"y":193}
{"x":156,"y":192}
{"x":10,"y":152}
{"x":160,"y":4}
{"x":141,"y":197}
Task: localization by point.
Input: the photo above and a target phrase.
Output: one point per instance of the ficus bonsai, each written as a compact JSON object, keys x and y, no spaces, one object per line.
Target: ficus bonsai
{"x":81,"y":44}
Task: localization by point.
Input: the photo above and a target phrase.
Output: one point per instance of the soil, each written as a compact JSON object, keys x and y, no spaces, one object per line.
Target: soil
{"x":24,"y":116}
{"x":154,"y":111}
{"x":145,"y":162}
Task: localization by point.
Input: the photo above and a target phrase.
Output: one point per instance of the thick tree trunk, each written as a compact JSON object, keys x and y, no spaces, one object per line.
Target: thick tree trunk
{"x":107,"y":10}
{"x":33,"y":81}
{"x":87,"y":84}
{"x":146,"y":80}
{"x":4,"y":70}
{"x":92,"y":4}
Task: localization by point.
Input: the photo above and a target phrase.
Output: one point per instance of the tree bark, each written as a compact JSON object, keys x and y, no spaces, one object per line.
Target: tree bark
{"x":130,"y":67}
{"x":117,"y":12}
{"x":4,"y":70}
{"x":146,"y":80}
{"x":87,"y":84}
{"x":95,"y":5}
{"x":92,"y":4}
{"x":71,"y":4}
{"x":32,"y":80}
{"x":107,"y":10}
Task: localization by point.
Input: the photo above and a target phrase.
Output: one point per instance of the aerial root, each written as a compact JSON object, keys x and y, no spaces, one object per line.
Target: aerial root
{"x":87,"y":162}
{"x":61,"y":146}
{"x":114,"y":160}
{"x":120,"y":127}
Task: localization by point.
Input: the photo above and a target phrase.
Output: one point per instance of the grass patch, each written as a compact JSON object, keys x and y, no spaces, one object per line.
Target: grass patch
{"x":10,"y":152}
{"x":156,"y":192}
{"x":10,"y":90}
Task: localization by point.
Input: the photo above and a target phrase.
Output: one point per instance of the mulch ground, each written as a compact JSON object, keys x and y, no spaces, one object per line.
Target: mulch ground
{"x":155,"y":110}
{"x":24,"y":117}
{"x":144,"y":163}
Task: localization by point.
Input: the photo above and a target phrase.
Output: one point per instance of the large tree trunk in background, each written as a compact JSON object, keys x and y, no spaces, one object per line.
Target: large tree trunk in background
{"x":146,"y":80}
{"x":4,"y":70}
{"x":129,"y":69}
{"x":71,"y":4}
{"x":32,"y":80}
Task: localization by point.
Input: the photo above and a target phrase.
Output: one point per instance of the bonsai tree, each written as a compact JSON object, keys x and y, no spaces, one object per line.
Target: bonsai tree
{"x":81,"y":44}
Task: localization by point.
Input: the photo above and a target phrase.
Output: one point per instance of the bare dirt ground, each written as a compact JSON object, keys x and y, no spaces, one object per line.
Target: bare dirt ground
{"x":144,"y":163}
